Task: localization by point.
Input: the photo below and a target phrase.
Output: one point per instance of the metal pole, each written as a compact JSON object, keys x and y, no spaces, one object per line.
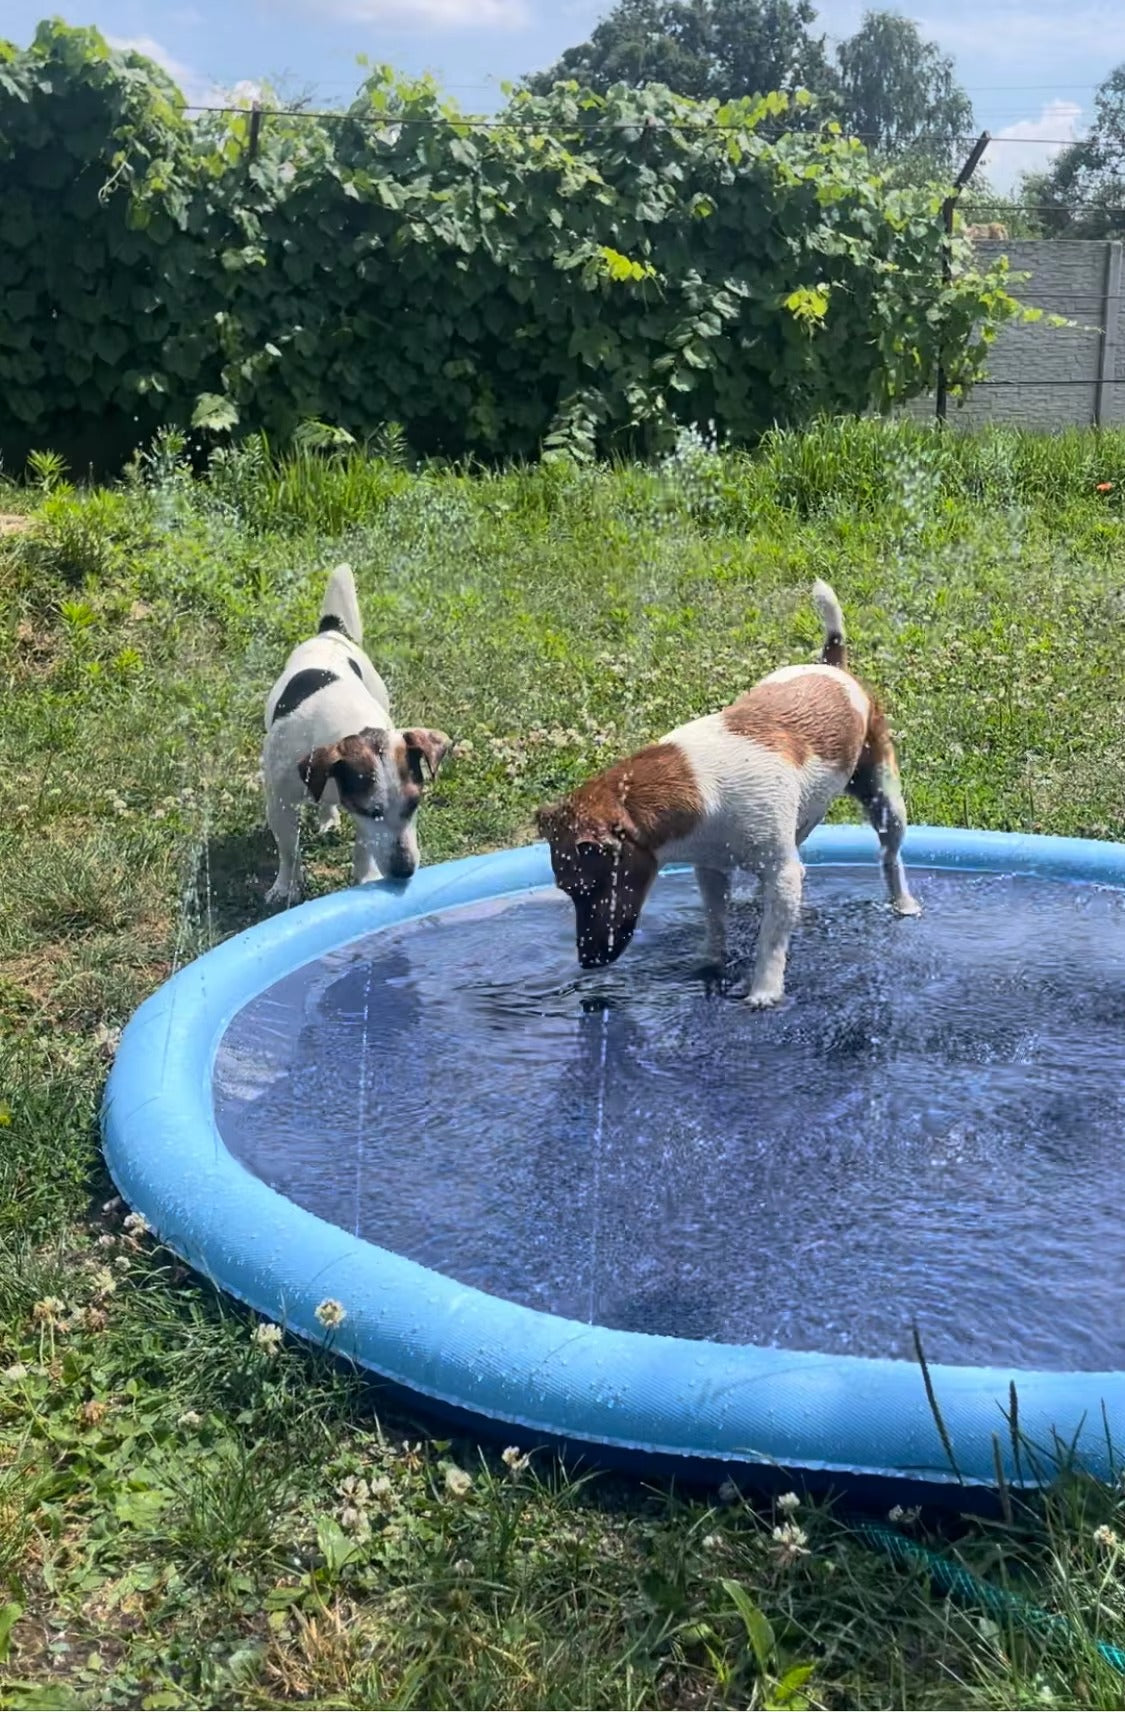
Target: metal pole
{"x":255,"y":131}
{"x":947,"y":207}
{"x":1111,"y":319}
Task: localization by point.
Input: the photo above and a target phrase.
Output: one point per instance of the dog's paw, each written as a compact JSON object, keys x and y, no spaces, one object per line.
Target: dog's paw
{"x":763,"y":998}
{"x":328,"y":819}
{"x":279,"y":894}
{"x":906,"y":905}
{"x":710,"y":972}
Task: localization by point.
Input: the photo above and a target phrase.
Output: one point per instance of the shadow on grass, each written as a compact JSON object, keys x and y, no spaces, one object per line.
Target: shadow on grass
{"x":234,"y":873}
{"x":236,"y":869}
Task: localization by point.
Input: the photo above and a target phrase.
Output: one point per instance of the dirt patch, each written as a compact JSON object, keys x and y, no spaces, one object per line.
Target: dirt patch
{"x":12,"y":523}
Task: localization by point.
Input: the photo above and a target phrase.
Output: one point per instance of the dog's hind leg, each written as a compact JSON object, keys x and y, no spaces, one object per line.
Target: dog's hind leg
{"x":875,"y":786}
{"x":782,"y":884}
{"x":285,"y":824}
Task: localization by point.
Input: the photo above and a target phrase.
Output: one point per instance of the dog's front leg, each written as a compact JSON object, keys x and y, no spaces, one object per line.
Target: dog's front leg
{"x":781,"y":906}
{"x":714,"y":889}
{"x":285,"y":824}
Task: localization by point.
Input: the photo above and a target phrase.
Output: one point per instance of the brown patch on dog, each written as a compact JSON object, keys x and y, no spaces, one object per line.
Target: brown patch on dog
{"x":421,"y":748}
{"x":799,"y":718}
{"x":651,"y":798}
{"x":878,"y":745}
{"x":604,"y":841}
{"x":352,"y":762}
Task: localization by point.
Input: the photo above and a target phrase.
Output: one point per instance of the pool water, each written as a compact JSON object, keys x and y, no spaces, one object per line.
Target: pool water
{"x":930,"y":1129}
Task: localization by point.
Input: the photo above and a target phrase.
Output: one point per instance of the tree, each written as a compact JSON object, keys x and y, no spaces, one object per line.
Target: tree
{"x":899,"y":93}
{"x":887,"y":85}
{"x":699,"y":48}
{"x":1082,"y":194}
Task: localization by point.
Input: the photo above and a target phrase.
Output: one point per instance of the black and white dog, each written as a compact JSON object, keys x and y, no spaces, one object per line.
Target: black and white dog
{"x":330,"y":736}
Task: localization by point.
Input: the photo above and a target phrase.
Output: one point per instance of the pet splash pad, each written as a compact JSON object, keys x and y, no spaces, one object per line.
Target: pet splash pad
{"x":621,"y":1209}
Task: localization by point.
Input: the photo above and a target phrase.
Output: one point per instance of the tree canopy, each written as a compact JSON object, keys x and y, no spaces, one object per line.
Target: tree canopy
{"x":885,"y":83}
{"x":1082,"y":194}
{"x":699,"y":48}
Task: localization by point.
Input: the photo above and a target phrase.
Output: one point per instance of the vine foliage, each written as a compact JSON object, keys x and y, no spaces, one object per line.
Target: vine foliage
{"x":584,"y":273}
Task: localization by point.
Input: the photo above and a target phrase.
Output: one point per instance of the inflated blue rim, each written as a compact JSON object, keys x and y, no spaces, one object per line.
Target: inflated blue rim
{"x":695,"y":1402}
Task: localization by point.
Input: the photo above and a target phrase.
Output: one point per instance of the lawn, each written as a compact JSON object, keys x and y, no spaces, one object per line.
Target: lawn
{"x":196,"y":1512}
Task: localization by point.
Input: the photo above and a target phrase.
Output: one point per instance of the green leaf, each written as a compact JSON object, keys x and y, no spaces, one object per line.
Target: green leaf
{"x":9,"y":1616}
{"x":218,"y":415}
{"x":758,"y":1631}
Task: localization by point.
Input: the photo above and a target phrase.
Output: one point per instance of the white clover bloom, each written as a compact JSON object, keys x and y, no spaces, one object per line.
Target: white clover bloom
{"x":515,"y":1460}
{"x":789,"y":1503}
{"x":267,"y":1337}
{"x":16,"y":1372}
{"x":102,"y":1281}
{"x":48,"y":1311}
{"x":711,"y":1542}
{"x":137,"y":1225}
{"x":907,"y":1516}
{"x":790,"y":1543}
{"x":190,"y":1418}
{"x":1107,"y":1538}
{"x":331,"y":1314}
{"x":457,"y":1483}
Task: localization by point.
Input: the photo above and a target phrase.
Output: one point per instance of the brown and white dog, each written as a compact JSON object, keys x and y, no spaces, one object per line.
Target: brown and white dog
{"x":740,"y":789}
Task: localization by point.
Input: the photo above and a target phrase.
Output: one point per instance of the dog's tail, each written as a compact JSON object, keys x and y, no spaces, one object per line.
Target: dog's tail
{"x":835,"y":651}
{"x":340,"y":608}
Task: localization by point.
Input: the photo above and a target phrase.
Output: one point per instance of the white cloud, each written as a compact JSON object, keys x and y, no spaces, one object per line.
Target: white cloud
{"x":194,"y":87}
{"x":197,"y":90}
{"x":445,"y":14}
{"x":1030,"y":145}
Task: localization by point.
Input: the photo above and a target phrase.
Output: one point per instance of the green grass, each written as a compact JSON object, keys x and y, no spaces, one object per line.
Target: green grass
{"x":175,"y":1523}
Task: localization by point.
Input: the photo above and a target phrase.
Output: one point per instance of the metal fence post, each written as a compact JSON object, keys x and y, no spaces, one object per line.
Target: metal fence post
{"x":947,"y":207}
{"x":1111,"y":321}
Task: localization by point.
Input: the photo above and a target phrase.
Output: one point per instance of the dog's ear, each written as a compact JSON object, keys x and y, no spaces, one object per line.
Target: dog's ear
{"x":548,"y":819}
{"x":430,"y":747}
{"x":316,"y":768}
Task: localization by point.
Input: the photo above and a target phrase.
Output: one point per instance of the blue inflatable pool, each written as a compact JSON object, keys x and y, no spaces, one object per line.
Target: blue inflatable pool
{"x":502,"y":1336}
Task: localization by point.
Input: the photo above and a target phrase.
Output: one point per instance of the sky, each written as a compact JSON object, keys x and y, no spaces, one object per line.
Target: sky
{"x":1031,"y":67}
